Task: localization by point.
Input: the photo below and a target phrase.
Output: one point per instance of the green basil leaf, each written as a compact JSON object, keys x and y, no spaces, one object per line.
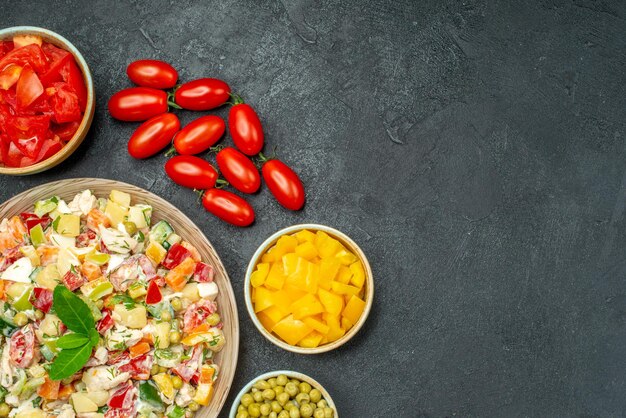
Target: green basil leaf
{"x":72,"y":341}
{"x":69,"y":361}
{"x":94,"y":337}
{"x":72,"y":311}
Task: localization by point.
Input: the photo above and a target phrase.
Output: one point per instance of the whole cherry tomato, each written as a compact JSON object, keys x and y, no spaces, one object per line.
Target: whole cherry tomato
{"x":238,"y":170}
{"x":192,"y":172}
{"x":245,"y":128}
{"x":199,"y":135}
{"x":137,"y":104}
{"x":284,"y":184}
{"x":228,"y":207}
{"x":202,"y":94}
{"x":153,"y":135}
{"x":152,"y":73}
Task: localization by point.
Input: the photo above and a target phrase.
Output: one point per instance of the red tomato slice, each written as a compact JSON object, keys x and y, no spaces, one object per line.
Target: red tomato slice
{"x":48,"y":149}
{"x":5,"y":47}
{"x":58,"y":58}
{"x":65,"y":131}
{"x":29,"y":87}
{"x":73,"y":280}
{"x":9,"y":76}
{"x":65,"y":104}
{"x":28,"y":133}
{"x":11,"y":155}
{"x":74,"y":77}
{"x":31,"y":54}
{"x":122,"y":398}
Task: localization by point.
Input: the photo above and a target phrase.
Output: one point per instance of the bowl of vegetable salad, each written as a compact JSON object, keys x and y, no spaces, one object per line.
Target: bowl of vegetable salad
{"x":112,"y":304}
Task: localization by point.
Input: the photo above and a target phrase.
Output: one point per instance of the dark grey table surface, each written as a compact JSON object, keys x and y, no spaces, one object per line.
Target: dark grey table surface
{"x":476,"y":152}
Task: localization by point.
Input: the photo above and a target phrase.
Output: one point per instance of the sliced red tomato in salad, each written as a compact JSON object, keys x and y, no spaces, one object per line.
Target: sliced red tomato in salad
{"x":74,"y":77}
{"x":29,"y":87}
{"x":58,"y":58}
{"x":9,"y":76}
{"x":65,"y":104}
{"x":41,"y":299}
{"x":30,"y":54}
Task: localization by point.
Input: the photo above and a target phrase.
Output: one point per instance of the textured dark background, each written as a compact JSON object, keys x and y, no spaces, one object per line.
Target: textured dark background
{"x":475,"y":151}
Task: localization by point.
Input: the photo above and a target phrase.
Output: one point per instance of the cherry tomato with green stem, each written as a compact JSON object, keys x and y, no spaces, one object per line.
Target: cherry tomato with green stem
{"x":228,"y":207}
{"x":202,"y":94}
{"x":193,"y":172}
{"x":238,"y":170}
{"x":138,"y":104}
{"x":283,"y":183}
{"x":152,"y":73}
{"x":153,"y":135}
{"x":245,"y":127}
{"x":199,"y":135}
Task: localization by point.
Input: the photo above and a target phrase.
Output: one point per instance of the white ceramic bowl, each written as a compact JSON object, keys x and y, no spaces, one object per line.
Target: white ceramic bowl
{"x":350,"y":245}
{"x":291,"y":374}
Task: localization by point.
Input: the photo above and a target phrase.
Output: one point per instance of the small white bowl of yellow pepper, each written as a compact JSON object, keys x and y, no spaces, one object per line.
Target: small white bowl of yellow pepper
{"x":309,"y":288}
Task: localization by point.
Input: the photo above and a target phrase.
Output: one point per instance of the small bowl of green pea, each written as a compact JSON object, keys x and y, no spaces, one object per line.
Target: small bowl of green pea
{"x":283,"y":394}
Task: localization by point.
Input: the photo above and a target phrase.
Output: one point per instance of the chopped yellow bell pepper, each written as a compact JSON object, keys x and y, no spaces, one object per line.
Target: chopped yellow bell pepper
{"x":291,"y":330}
{"x":333,"y":304}
{"x":345,"y":257}
{"x":266,"y":321}
{"x":282,"y":300}
{"x":275,"y":314}
{"x":329,"y":247}
{"x":316,"y":324}
{"x":329,"y":267}
{"x":306,"y":306}
{"x":344,"y":289}
{"x":263,"y":299}
{"x":346,"y":324}
{"x":287,"y":243}
{"x":353,"y":309}
{"x":155,"y":252}
{"x":204,"y":393}
{"x":335,"y":331}
{"x":306,"y":250}
{"x":305,"y":236}
{"x":344,"y":275}
{"x":276,"y":277}
{"x":358,"y":274}
{"x":164,"y":383}
{"x":260,"y":274}
{"x":311,"y":341}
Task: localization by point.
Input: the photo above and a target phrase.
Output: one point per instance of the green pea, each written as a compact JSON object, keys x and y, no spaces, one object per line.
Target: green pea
{"x":166,"y":316}
{"x":292,"y":389}
{"x":162,"y":369}
{"x":174,"y":337}
{"x":130,"y":227}
{"x":243,"y":414}
{"x":39,"y":314}
{"x":329,"y":413}
{"x":282,"y":398}
{"x":322,"y":404}
{"x":306,"y":410}
{"x":283,"y":414}
{"x":214,"y":319}
{"x":193,"y":406}
{"x":155,"y":369}
{"x":319,"y":413}
{"x":269,"y":394}
{"x":276,"y":406}
{"x":296,"y":381}
{"x":242,"y":408}
{"x":282,"y":380}
{"x":303,"y":398}
{"x":294,"y":413}
{"x":265,"y":409}
{"x":279,"y":390}
{"x":247,"y":400}
{"x":273,"y":415}
{"x":254,"y":410}
{"x":258,"y":396}
{"x":305,"y":387}
{"x":315,"y":395}
{"x":262,"y":385}
{"x":272,"y":382}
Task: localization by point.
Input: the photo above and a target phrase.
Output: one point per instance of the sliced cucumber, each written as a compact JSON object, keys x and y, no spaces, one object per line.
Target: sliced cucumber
{"x":160,"y":232}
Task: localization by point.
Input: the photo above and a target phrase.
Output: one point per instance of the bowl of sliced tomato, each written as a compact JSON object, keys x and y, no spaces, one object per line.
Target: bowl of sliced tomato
{"x":47,"y":99}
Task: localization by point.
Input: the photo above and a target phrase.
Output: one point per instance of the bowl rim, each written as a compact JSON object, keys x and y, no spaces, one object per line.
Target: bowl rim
{"x":288,"y":373}
{"x":90,"y":107}
{"x":369,"y":291}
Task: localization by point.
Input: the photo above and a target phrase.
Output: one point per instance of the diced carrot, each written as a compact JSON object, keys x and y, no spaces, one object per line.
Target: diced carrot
{"x":47,"y":254}
{"x":50,"y":389}
{"x":65,"y":391}
{"x":194,"y":253}
{"x":95,"y":218}
{"x":139,"y":349}
{"x":177,"y":277}
{"x":90,"y":270}
{"x":147,"y":338}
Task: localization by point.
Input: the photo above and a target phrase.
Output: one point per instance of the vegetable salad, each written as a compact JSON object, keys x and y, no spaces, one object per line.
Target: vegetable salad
{"x":103,"y":313}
